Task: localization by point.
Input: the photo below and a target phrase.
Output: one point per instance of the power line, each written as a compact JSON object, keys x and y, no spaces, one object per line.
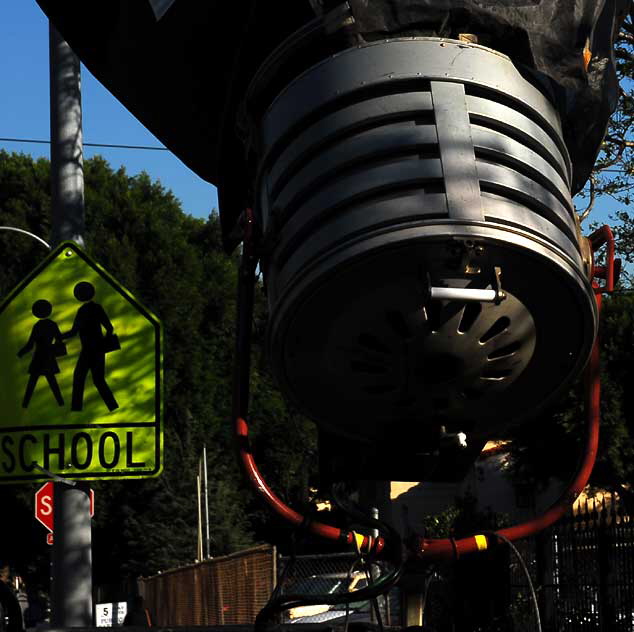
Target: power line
{"x":106,"y":145}
{"x":150,"y":148}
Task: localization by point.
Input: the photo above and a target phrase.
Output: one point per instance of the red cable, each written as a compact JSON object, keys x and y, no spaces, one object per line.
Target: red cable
{"x":450,"y":549}
{"x":366,"y":543}
{"x":246,"y":286}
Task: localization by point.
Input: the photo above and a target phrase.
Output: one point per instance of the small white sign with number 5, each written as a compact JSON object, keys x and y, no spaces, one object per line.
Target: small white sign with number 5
{"x":108,"y":615}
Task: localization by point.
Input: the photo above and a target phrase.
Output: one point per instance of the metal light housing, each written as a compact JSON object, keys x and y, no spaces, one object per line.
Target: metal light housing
{"x":422,"y":257}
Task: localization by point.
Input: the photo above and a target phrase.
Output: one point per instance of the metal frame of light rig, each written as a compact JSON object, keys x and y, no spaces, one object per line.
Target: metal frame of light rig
{"x":423,"y":549}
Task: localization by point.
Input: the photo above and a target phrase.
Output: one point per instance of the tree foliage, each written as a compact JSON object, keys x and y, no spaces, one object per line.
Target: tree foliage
{"x":551,"y":444}
{"x":613,"y":176}
{"x":175,"y":265}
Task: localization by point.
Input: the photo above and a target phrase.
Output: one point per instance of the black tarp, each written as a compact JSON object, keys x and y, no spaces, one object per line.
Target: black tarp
{"x":184,"y":75}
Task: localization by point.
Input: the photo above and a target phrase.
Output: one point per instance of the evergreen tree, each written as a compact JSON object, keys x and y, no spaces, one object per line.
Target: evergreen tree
{"x":175,"y":265}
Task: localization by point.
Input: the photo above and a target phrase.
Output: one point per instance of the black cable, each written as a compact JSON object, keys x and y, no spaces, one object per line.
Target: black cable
{"x":347,"y":617}
{"x":374,"y":602}
{"x":290,"y":564}
{"x":382,"y":585}
{"x":351,"y":509}
{"x":348,"y":580}
{"x":368,"y":574}
{"x":526,"y":572}
{"x":302,"y":529}
{"x":365,"y":594}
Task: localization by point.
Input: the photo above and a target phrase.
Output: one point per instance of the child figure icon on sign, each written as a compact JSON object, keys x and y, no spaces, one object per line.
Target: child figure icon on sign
{"x":88,"y":323}
{"x":47,"y":340}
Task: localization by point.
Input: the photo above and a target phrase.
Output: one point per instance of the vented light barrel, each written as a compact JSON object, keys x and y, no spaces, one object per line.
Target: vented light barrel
{"x":397,"y":168}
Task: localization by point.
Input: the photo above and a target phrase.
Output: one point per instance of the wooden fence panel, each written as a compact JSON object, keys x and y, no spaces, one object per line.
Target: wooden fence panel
{"x":219,"y":591}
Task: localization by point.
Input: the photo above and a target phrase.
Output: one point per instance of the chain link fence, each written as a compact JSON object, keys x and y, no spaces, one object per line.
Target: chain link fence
{"x":226,"y":590}
{"x":334,"y":574}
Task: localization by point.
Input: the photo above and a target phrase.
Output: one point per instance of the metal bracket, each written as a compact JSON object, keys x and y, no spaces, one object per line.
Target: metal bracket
{"x":611,"y":271}
{"x":56,"y":477}
{"x":337,"y":18}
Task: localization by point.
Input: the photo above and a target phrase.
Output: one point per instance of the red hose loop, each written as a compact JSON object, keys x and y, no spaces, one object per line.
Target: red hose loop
{"x":246,"y":287}
{"x":366,"y":543}
{"x":447,"y":549}
{"x":450,"y":548}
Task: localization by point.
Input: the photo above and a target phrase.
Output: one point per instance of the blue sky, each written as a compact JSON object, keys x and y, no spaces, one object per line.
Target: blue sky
{"x":24,"y":111}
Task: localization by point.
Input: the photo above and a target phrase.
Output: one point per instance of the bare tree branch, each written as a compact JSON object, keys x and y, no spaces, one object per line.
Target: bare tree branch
{"x":619,"y":141}
{"x":626,"y":37}
{"x":593,"y":194}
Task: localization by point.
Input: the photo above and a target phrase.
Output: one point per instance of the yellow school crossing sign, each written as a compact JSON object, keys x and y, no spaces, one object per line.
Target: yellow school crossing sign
{"x":80,"y":376}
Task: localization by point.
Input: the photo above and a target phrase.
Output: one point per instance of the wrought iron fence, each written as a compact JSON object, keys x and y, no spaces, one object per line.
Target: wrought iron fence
{"x":583,"y":569}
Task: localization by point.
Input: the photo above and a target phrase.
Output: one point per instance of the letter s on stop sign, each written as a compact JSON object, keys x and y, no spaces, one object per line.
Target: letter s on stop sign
{"x":44,"y":505}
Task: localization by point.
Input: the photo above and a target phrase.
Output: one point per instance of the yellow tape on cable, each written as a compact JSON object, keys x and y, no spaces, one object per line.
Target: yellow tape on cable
{"x":358,"y":539}
{"x":481,"y":542}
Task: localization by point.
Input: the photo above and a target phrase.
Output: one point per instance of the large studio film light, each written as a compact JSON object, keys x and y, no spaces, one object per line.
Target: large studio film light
{"x":403,"y":173}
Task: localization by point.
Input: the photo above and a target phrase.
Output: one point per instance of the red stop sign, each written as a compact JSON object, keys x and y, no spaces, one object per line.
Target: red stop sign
{"x":44,"y":505}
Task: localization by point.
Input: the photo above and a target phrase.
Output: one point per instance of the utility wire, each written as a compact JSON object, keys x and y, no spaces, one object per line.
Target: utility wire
{"x":110,"y":146}
{"x":146,"y":147}
{"x":531,"y":588}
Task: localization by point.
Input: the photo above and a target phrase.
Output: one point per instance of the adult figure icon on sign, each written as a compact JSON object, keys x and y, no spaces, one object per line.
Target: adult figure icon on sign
{"x":47,"y":340}
{"x":88,"y":323}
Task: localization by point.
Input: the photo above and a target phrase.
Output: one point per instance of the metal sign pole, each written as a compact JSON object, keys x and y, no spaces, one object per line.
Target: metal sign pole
{"x":199,"y":544}
{"x":72,"y":545}
{"x":206,"y":500}
{"x":72,"y":557}
{"x":67,"y":159}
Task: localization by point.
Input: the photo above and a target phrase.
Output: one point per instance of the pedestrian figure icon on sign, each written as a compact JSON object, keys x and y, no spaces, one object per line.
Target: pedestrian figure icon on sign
{"x":47,"y":340}
{"x":89,"y":320}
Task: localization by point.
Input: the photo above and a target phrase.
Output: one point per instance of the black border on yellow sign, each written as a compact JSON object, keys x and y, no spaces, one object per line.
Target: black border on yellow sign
{"x":158,"y":372}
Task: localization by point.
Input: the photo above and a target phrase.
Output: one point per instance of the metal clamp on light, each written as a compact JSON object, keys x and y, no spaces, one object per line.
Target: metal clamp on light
{"x":467,"y":294}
